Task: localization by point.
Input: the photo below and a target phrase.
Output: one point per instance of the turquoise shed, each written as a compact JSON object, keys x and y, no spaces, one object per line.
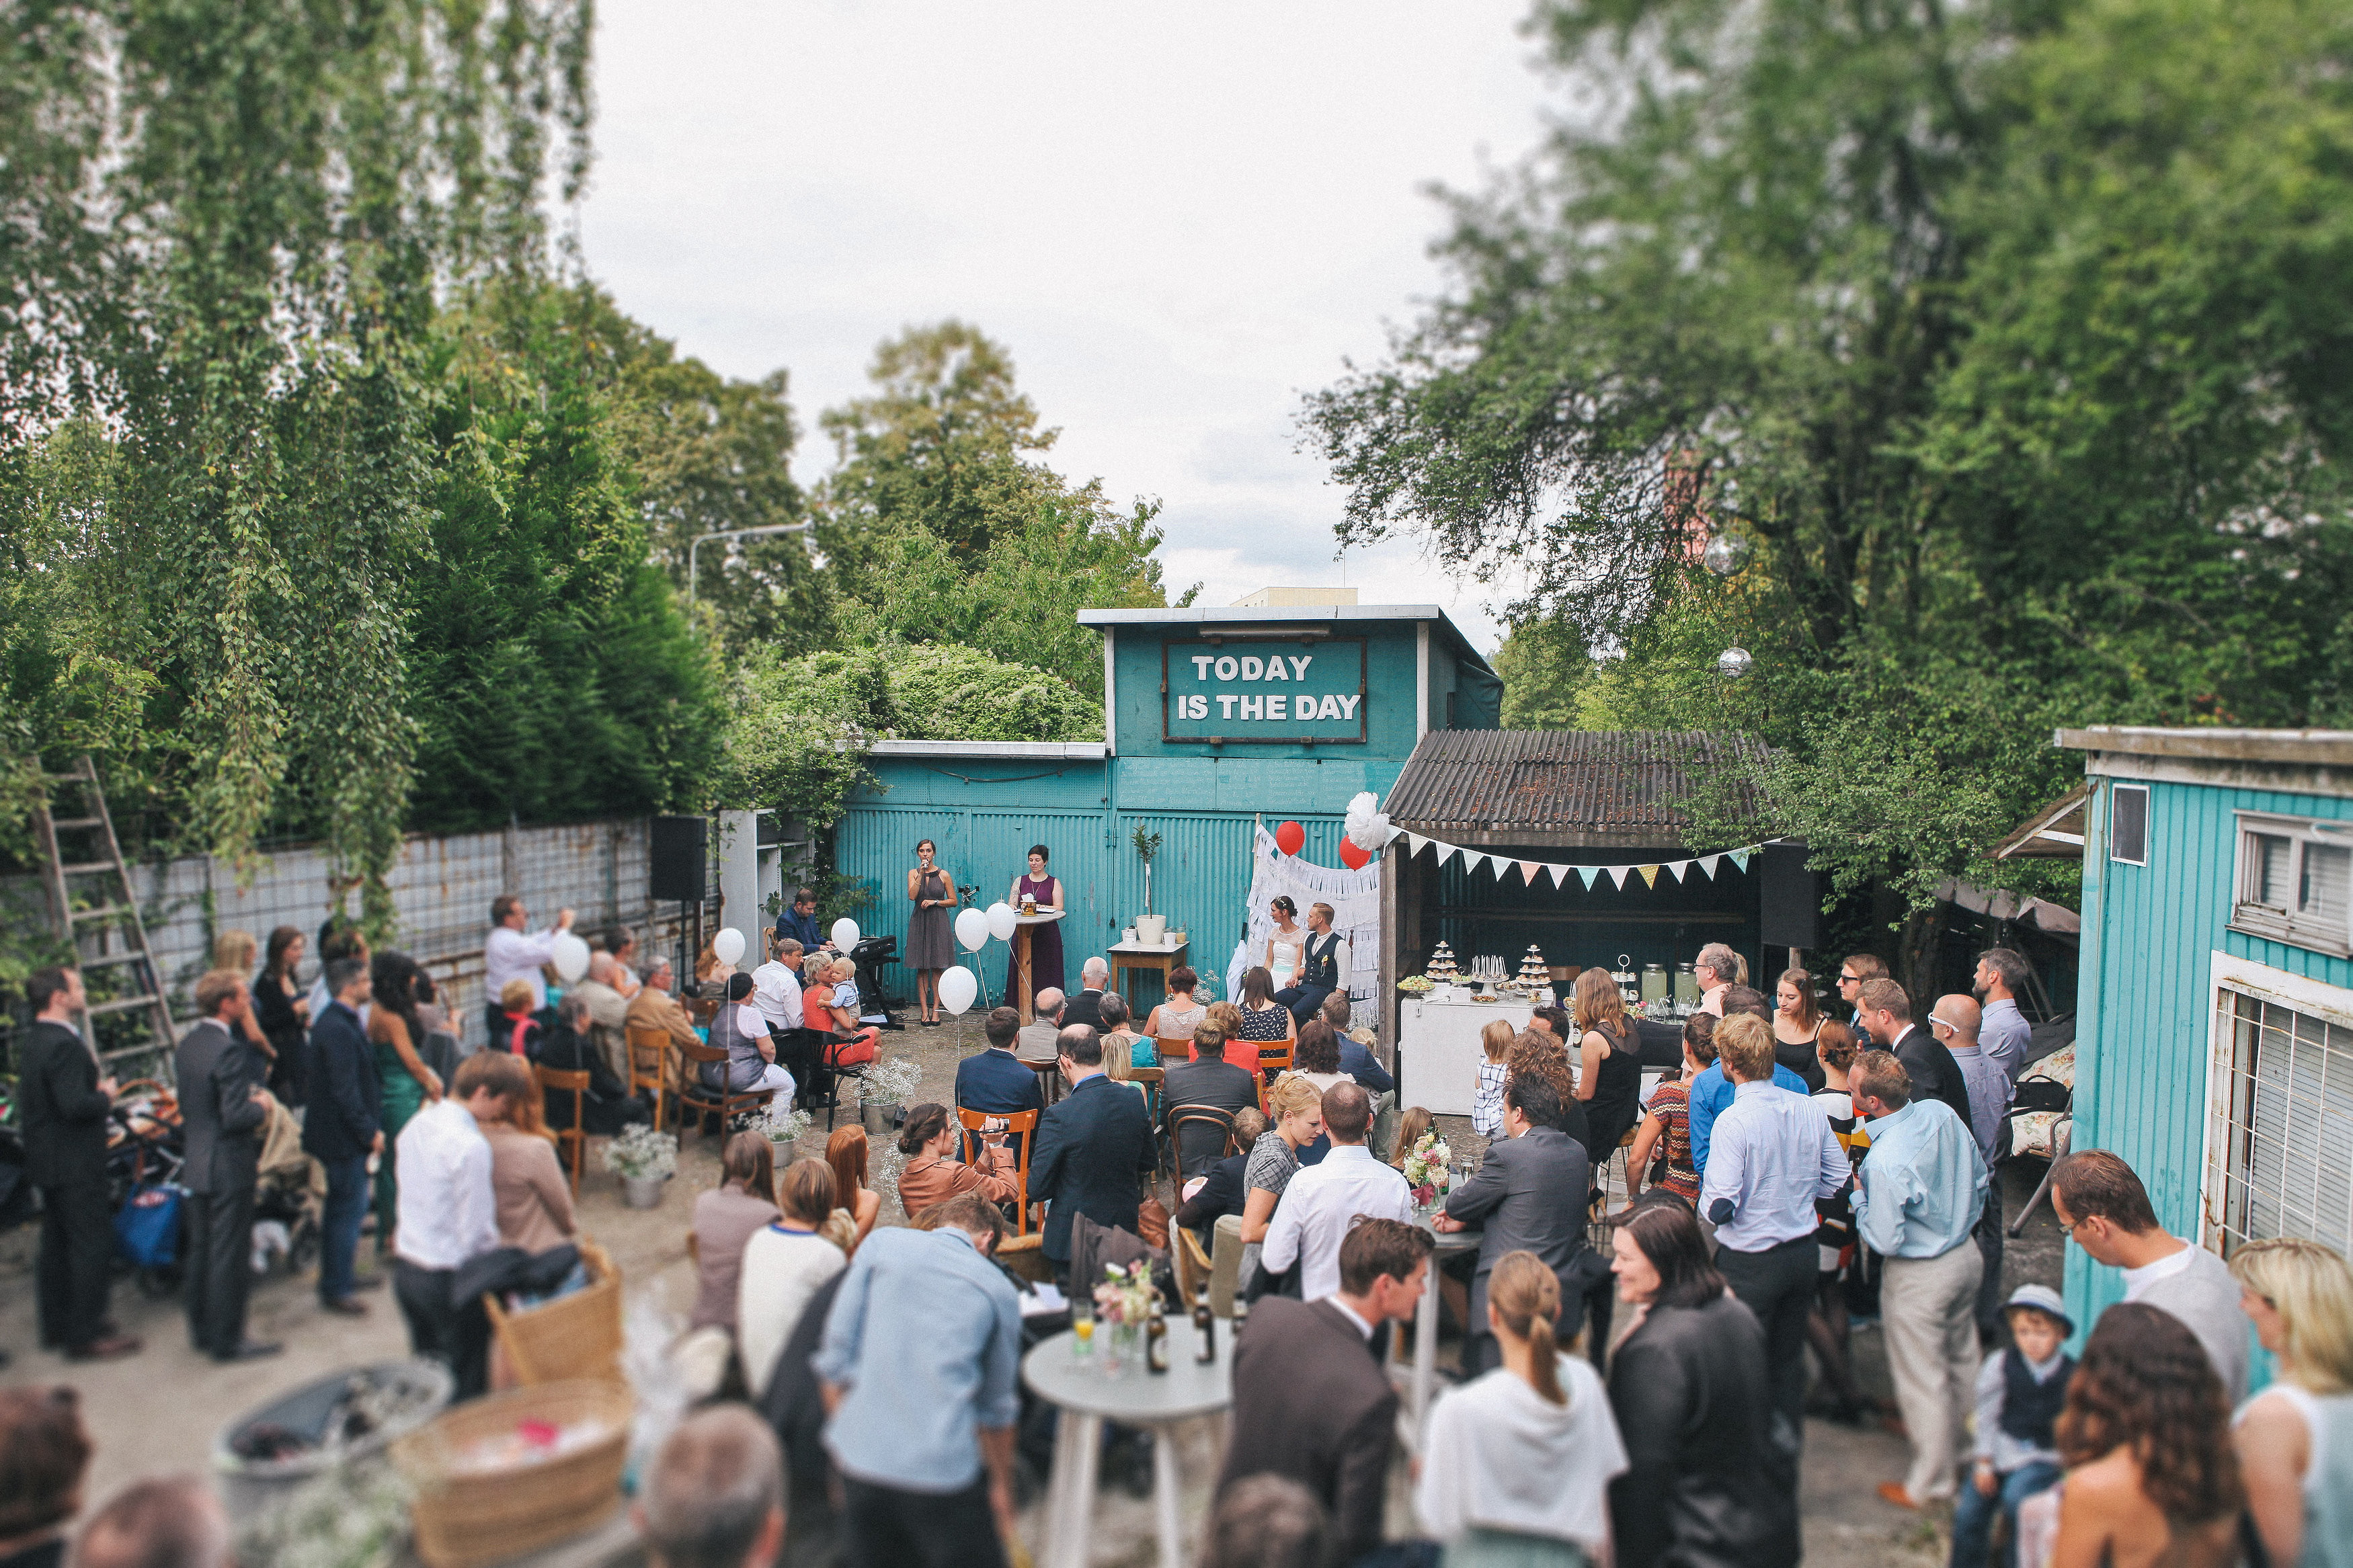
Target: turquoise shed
{"x":1212,"y":718}
{"x":2215,"y":1033}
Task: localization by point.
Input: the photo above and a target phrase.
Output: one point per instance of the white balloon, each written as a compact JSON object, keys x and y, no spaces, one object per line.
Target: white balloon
{"x":957,"y":988}
{"x":570,"y":956}
{"x":972,"y":930}
{"x":845,"y":934}
{"x":1002,"y":921}
{"x":728,"y":945}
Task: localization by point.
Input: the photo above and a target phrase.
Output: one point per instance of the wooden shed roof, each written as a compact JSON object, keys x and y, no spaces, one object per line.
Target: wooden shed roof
{"x":1570,"y":788}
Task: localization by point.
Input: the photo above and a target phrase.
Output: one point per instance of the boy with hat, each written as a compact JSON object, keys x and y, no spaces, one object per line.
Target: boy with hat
{"x":2018,"y":1395}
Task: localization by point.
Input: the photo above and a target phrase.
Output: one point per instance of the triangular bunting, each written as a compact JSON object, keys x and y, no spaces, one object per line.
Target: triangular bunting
{"x":1649,"y":874}
{"x":1678,"y":869}
{"x":1740,"y":857}
{"x":1528,"y":869}
{"x":1415,"y":843}
{"x":1586,"y":873}
{"x":1471,"y":861}
{"x":1707,"y":864}
{"x":1560,"y":874}
{"x":1618,"y":875}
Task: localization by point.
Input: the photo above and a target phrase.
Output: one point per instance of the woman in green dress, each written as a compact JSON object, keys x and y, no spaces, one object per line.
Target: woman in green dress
{"x":408,"y":1084}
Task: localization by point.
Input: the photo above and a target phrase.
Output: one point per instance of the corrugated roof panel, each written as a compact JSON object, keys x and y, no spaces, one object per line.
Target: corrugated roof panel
{"x":1542,"y":785}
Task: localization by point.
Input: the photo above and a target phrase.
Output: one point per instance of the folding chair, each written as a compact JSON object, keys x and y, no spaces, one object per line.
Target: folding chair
{"x":699,"y":1099}
{"x":575,"y":1137}
{"x":649,"y":1065}
{"x":1023,"y":1122}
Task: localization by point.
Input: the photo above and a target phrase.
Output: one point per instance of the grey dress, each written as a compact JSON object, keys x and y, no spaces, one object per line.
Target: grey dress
{"x":931,"y":933}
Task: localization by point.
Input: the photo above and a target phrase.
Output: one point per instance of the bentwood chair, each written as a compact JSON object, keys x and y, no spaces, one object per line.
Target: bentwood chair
{"x":575,"y":1137}
{"x":697,"y":1099}
{"x":1023,"y":1125}
{"x":1185,"y":1116}
{"x":649,"y":1065}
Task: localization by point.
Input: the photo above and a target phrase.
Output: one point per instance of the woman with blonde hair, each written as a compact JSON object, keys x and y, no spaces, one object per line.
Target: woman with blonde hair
{"x":1610,"y":1067}
{"x":1413,"y":1122}
{"x":1294,"y":1109}
{"x":2296,"y":1437}
{"x":783,"y":1267}
{"x":855,"y":1203}
{"x":1517,"y":1465}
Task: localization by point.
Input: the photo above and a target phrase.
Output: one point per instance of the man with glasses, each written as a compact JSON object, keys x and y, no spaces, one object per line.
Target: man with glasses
{"x":1954,"y":1022}
{"x":1859,"y":970}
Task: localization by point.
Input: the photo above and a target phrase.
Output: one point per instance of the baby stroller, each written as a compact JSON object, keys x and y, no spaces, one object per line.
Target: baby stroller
{"x":289,"y":1196}
{"x":145,"y":1148}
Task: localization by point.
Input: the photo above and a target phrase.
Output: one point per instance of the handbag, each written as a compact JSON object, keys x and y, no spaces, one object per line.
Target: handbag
{"x":147,"y":1227}
{"x":1152,"y":1223}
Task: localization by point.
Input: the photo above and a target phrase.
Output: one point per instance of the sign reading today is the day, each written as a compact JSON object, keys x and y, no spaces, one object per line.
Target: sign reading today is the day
{"x":1267,"y":692}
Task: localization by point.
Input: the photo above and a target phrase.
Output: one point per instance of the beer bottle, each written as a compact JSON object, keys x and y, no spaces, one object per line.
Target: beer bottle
{"x":1205,"y":1332}
{"x":1156,"y":1344}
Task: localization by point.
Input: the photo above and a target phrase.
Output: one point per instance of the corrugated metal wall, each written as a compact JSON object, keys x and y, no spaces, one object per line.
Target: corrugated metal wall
{"x":2147,"y":988}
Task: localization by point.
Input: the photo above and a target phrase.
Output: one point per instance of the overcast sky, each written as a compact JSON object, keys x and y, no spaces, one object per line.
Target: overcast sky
{"x":1178,"y":219}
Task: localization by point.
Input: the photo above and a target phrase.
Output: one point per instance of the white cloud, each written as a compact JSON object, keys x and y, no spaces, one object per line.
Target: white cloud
{"x":1180,"y":220}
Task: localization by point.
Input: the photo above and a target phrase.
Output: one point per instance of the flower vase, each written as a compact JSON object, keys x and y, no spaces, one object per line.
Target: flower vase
{"x":643,"y":1191}
{"x":1123,"y":1349}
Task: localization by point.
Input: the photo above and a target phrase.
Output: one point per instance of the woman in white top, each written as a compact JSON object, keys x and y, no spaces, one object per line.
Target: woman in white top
{"x":783,"y":1264}
{"x":1517,"y":1467}
{"x":2296,"y":1437}
{"x":1282,"y":947}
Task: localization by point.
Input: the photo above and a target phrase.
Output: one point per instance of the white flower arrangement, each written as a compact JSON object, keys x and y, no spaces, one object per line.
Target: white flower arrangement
{"x":639,"y":1152}
{"x":891,"y":1081}
{"x":783,"y":1126}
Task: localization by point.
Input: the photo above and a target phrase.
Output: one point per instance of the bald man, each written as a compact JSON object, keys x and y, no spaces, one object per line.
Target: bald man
{"x":1036,"y":1042}
{"x":1955,"y":1021}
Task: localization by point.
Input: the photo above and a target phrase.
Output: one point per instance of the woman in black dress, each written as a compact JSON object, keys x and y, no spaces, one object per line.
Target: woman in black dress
{"x":1610,"y":1068}
{"x":1796,"y":1025}
{"x":283,"y":1012}
{"x":931,"y":929}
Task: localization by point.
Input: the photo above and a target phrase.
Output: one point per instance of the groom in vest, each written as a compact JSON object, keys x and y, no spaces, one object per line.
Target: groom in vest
{"x":1323,"y":966}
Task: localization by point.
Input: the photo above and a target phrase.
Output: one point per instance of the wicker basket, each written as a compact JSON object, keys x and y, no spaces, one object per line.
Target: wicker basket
{"x":575,"y":1336}
{"x":469,"y":1521}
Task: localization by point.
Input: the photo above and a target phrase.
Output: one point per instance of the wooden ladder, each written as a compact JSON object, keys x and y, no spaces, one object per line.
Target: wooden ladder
{"x":97,"y":870}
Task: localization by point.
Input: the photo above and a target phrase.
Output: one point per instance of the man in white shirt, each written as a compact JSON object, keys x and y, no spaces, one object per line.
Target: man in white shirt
{"x":2100,"y":1203}
{"x":1716,"y":969}
{"x":1318,"y":1205}
{"x":448,"y":1217}
{"x":509,"y":954}
{"x":776,"y":985}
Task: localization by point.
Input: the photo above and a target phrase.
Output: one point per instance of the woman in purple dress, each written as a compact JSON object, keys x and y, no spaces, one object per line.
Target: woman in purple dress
{"x":1045,"y":939}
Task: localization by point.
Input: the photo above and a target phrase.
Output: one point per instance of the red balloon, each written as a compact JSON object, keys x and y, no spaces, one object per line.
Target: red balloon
{"x":1352,"y":854}
{"x":1291,"y":839}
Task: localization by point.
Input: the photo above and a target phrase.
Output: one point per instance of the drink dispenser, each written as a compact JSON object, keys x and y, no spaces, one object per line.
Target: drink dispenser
{"x":1654,"y":983}
{"x":1686,"y":986}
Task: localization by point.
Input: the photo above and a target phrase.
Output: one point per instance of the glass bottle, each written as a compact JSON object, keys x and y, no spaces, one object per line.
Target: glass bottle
{"x":1156,"y":1344}
{"x":1205,"y":1330}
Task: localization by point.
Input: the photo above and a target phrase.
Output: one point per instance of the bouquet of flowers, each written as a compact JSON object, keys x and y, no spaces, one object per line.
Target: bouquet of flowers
{"x":1425,"y":1168}
{"x":1126,"y":1296}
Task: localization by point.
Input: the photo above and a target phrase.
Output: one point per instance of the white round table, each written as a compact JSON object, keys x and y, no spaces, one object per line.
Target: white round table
{"x":1154,"y":1401}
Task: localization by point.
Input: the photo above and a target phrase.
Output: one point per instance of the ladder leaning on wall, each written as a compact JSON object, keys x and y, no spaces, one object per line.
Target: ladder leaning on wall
{"x":95,"y":872}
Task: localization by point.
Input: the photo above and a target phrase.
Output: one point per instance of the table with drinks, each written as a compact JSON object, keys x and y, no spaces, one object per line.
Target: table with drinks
{"x":1151,"y":1374}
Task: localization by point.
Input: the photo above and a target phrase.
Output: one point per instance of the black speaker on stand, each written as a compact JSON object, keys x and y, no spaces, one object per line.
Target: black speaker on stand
{"x":1788,"y":898}
{"x":677,"y":860}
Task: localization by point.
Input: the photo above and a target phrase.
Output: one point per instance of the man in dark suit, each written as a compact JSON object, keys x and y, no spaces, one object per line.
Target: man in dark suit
{"x":1311,"y":1400}
{"x":1531,"y":1194}
{"x":1207,"y":1079}
{"x":222,"y":1108}
{"x":998,"y":1081}
{"x":1357,"y":1060}
{"x":1887,"y":1015}
{"x":341,"y":1128}
{"x":1095,"y":1149}
{"x":1084,"y":1006}
{"x":62,"y":1101}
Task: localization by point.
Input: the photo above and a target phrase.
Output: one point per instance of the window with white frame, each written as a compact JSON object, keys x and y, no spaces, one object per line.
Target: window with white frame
{"x":2280,"y":1156}
{"x":2295,"y":882}
{"x":2128,"y":823}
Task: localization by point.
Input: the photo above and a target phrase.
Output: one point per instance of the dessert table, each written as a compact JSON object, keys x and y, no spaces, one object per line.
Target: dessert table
{"x":1023,"y":989}
{"x":1154,"y":1401}
{"x":1439,"y":1053}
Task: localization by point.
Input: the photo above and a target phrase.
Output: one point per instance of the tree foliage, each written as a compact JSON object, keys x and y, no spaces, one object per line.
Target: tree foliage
{"x":1545,"y":668}
{"x":2016,"y":338}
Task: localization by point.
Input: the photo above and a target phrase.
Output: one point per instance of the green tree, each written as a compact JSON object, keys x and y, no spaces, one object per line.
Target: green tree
{"x":2013,"y":339}
{"x":1545,"y":668}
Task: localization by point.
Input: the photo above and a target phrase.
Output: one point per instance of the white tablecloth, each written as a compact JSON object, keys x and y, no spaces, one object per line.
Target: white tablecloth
{"x":1438,"y":1047}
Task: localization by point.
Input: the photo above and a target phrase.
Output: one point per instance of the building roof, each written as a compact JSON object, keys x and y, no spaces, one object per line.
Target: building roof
{"x":1570,"y":788}
{"x":1235,"y":620}
{"x":1047,"y":751}
{"x":2054,"y":831}
{"x":2308,"y":748}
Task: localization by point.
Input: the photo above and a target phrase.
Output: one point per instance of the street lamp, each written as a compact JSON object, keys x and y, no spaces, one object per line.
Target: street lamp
{"x":733,"y":533}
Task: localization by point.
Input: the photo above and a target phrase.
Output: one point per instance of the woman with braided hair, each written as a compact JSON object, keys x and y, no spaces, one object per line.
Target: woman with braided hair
{"x":1517,"y":1467}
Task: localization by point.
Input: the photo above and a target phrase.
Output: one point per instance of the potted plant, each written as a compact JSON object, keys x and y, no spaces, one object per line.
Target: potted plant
{"x":643,"y":1159}
{"x":1149,"y":928}
{"x":886,"y":1087}
{"x":783,"y":1126}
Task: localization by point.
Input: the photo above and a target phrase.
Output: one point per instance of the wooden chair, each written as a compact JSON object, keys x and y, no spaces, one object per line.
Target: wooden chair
{"x":1192,"y":1265}
{"x":1022,"y":1122}
{"x":1183,"y":1116}
{"x":699,"y":1099}
{"x":1151,"y":1079}
{"x":1225,"y":1263}
{"x":575,"y":1137}
{"x":1274,"y":1059}
{"x":649,"y":1065}
{"x":1172,"y":1051}
{"x":1049,"y":1079}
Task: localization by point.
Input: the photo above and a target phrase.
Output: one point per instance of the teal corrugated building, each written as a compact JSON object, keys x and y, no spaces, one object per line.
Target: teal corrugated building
{"x":1212,"y":718}
{"x":2215,"y":1036}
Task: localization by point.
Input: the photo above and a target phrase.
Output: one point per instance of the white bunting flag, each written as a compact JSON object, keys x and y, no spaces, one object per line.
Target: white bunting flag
{"x":1707,"y":864}
{"x":1415,"y":843}
{"x":1678,"y":869}
{"x":1560,"y":874}
{"x":1617,"y":875}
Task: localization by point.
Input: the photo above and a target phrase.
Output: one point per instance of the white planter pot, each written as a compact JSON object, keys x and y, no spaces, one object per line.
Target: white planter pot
{"x":643,"y":1191}
{"x":1151,"y":929}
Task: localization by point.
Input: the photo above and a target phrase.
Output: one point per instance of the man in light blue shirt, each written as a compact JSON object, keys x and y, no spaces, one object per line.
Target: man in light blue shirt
{"x":1918,"y":1198}
{"x":1774,"y":1155}
{"x":2004,"y":1035}
{"x":1955,"y":1022}
{"x":921,"y":1356}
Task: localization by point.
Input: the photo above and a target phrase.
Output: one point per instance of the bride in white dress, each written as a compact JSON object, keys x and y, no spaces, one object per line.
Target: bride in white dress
{"x":1282,"y":947}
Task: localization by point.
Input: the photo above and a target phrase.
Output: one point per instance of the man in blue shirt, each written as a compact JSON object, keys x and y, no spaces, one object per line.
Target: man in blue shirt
{"x":2005,"y":1035}
{"x":1774,"y":1155}
{"x":1357,"y":1060}
{"x":920,"y":1362}
{"x":801,"y":920}
{"x":1711,"y":1091}
{"x":1918,"y":1198}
